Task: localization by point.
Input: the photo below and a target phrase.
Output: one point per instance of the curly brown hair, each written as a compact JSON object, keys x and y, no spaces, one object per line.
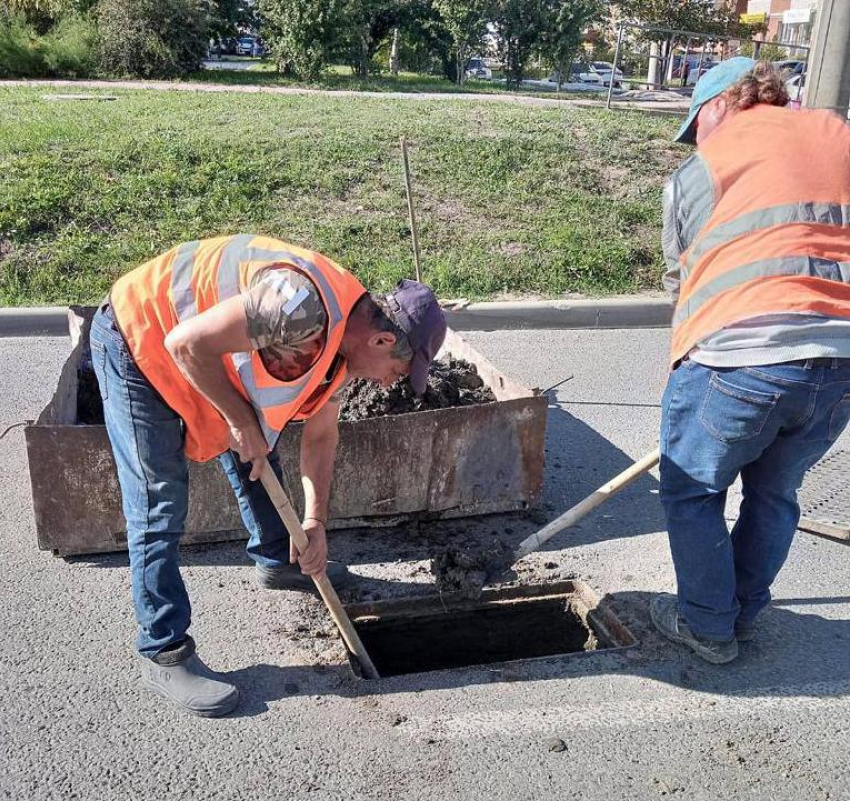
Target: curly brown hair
{"x":762,"y":85}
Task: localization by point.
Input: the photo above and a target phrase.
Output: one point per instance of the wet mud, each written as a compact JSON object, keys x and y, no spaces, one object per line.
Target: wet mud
{"x":468,"y":569}
{"x":451,"y":382}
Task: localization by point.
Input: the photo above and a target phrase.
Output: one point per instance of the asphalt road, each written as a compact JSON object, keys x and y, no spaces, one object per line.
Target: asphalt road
{"x":649,"y":723}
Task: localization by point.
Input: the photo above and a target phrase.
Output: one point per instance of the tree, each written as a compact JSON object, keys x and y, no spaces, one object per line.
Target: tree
{"x":300,"y":34}
{"x":698,"y":16}
{"x":694,"y":16}
{"x":466,"y":22}
{"x":426,"y":44}
{"x":568,"y":21}
{"x":365,"y":24}
{"x":228,"y":17}
{"x":152,"y":38}
{"x":519,"y":25}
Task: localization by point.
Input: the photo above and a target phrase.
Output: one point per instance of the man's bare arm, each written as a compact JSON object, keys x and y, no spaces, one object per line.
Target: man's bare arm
{"x":197,"y":346}
{"x":318,"y":453}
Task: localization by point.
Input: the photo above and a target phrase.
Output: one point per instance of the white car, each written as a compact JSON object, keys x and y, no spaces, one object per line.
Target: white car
{"x":605,"y":70}
{"x":476,"y":68}
{"x":695,"y":74}
{"x":597,"y":72}
{"x":796,"y":88}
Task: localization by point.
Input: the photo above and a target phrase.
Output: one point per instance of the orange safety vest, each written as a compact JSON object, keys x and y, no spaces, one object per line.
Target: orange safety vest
{"x":778,"y":238}
{"x":151,"y":300}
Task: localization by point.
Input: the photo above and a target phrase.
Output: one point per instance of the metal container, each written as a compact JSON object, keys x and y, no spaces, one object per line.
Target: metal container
{"x":443,"y":463}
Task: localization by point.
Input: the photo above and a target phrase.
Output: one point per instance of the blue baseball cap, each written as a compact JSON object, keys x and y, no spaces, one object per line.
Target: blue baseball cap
{"x":715,"y":82}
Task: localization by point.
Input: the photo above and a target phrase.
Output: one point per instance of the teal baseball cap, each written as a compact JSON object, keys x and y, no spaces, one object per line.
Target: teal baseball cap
{"x":715,"y":82}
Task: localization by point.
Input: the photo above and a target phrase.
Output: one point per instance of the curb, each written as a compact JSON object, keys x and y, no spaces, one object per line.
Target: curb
{"x":530,"y":314}
{"x":46,"y":321}
{"x":492,"y":316}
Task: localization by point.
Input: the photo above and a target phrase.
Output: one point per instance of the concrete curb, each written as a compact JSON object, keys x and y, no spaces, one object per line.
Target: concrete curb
{"x":492,"y":316}
{"x":602,"y":313}
{"x":43,"y":321}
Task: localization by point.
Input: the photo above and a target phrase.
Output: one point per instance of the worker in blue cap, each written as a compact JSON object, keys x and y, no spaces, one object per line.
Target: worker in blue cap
{"x":757,"y":244}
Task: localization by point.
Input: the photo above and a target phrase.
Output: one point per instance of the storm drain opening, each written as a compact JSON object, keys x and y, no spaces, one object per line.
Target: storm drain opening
{"x":447,"y":632}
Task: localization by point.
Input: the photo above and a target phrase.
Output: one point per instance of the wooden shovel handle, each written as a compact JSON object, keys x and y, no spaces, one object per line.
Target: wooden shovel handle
{"x":323,"y":585}
{"x":577,"y":512}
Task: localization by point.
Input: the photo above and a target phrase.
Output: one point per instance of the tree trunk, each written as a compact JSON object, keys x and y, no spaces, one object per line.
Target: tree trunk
{"x":560,"y":74}
{"x":654,"y":58}
{"x":364,"y":56}
{"x":461,"y":72}
{"x":394,"y":54}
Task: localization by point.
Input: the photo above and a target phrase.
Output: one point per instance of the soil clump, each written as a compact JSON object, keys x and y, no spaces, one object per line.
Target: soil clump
{"x":466,"y":570}
{"x":451,"y":382}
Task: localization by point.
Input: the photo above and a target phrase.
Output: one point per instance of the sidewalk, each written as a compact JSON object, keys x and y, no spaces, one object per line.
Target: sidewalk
{"x":189,"y":86}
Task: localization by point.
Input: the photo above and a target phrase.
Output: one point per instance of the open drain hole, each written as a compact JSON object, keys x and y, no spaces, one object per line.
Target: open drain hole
{"x":427,"y":634}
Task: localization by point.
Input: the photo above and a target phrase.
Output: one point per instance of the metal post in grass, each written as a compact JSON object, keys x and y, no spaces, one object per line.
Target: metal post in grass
{"x":414,"y":231}
{"x":614,"y":70}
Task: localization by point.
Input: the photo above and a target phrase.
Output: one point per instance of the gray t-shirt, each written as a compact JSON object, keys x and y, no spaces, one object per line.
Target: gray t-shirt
{"x":775,"y":339}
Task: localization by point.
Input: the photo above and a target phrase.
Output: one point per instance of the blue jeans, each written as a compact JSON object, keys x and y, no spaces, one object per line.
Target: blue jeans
{"x":147,"y":442}
{"x":767,"y":424}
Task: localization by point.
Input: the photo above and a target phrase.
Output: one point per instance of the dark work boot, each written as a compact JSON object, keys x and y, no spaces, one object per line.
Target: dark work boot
{"x":181,"y":677}
{"x":664,"y":611}
{"x":290,"y":577}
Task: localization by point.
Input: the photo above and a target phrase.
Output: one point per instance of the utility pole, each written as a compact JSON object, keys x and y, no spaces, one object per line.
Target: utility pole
{"x":828,"y":73}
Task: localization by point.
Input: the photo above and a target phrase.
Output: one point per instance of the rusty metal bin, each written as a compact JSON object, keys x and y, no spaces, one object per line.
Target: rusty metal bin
{"x":435,"y":464}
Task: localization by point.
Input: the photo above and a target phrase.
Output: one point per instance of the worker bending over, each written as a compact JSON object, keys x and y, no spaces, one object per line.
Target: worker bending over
{"x":208,"y":351}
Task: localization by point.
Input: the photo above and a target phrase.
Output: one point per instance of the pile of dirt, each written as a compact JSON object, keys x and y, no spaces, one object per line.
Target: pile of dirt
{"x":466,"y":570}
{"x":451,"y":382}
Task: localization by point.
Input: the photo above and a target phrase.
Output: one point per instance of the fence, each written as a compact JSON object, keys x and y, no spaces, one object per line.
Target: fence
{"x":653,"y":58}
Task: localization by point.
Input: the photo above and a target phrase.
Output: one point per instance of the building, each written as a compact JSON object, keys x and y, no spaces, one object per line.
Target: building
{"x":788,"y":21}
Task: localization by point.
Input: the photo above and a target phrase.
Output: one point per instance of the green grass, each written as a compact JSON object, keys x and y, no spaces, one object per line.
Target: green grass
{"x":510,"y":199}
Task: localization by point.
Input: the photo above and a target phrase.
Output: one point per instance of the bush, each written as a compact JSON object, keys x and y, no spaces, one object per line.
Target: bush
{"x":70,"y":48}
{"x":20,"y":54}
{"x":152,"y":38}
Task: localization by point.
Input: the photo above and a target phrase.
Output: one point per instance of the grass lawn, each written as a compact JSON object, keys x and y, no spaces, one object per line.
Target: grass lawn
{"x":510,"y":199}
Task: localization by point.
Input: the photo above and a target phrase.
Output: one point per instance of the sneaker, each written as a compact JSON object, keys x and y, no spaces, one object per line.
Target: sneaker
{"x":745,"y":632}
{"x":664,"y":611}
{"x":181,"y":677}
{"x":290,"y":577}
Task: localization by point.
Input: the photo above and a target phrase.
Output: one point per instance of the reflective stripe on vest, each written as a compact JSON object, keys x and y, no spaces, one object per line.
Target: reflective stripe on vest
{"x":806,"y":266}
{"x":816,"y":213}
{"x":235,"y":252}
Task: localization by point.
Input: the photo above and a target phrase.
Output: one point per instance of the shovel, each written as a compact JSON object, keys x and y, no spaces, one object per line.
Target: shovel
{"x":466,"y":573}
{"x":323,"y":585}
{"x":582,"y":508}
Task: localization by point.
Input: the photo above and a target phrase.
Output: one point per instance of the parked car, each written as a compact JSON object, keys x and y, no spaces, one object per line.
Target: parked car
{"x":796,"y":87}
{"x":790,"y":66}
{"x":605,"y":70}
{"x":598,"y":72}
{"x":695,"y":74}
{"x":476,"y":68}
{"x":248,"y":46}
